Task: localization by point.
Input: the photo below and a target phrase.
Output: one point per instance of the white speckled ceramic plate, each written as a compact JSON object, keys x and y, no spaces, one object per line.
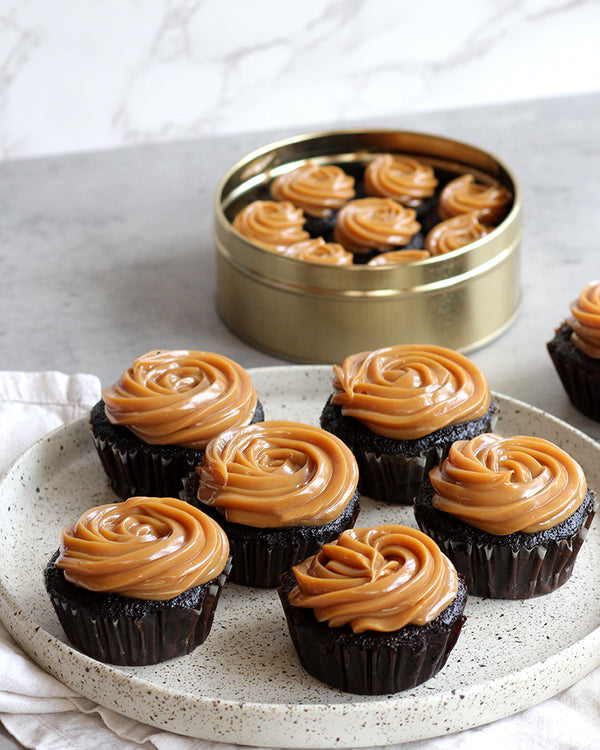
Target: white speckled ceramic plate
{"x":244,"y":684}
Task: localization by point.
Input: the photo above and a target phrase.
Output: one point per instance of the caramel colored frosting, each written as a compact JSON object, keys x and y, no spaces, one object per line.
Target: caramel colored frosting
{"x":145,"y":548}
{"x":374,"y":223}
{"x":273,"y":225}
{"x":318,"y":189}
{"x":181,"y":397}
{"x":585,"y":320}
{"x":502,"y":485}
{"x":463,"y":194}
{"x":401,"y":177}
{"x":454,"y":233}
{"x":407,"y":391}
{"x":380,"y":578}
{"x":275,"y":474}
{"x":318,"y":251}
{"x":398,"y":256}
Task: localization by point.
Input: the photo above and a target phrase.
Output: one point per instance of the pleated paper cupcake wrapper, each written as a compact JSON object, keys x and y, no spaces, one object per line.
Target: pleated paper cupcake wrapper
{"x":145,"y":472}
{"x":394,"y":478}
{"x":581,"y":386}
{"x":157,"y":636}
{"x":366,"y":666}
{"x":499,"y":572}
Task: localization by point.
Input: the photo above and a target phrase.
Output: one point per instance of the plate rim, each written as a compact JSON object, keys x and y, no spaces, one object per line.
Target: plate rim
{"x":585,"y":653}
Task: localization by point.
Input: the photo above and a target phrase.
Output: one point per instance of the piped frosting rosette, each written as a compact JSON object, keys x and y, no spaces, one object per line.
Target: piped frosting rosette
{"x":145,"y":548}
{"x":510,"y":512}
{"x":273,"y":225}
{"x":585,"y":320}
{"x":318,"y":189}
{"x":278,"y":474}
{"x":398,"y":256}
{"x":454,"y":233}
{"x":379,"y":224}
{"x":379,"y":579}
{"x":181,"y":397}
{"x":502,"y":485}
{"x":401,"y":177}
{"x":318,"y":251}
{"x":491,"y":202}
{"x":407,"y":391}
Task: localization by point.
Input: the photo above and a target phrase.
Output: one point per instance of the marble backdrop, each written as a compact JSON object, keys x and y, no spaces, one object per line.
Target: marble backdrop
{"x":90,"y":75}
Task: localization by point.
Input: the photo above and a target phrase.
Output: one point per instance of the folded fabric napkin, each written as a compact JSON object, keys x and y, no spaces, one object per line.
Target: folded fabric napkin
{"x":41,"y":713}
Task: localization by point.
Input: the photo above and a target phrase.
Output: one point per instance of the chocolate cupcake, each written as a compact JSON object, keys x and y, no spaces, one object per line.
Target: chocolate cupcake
{"x":138,"y":582}
{"x":273,"y":225}
{"x":151,"y":427}
{"x":318,"y":251}
{"x":400,"y":408}
{"x":320,"y":190}
{"x":575,"y":352}
{"x":452,"y":234}
{"x":398,"y":256}
{"x":375,"y":612}
{"x":403,"y":178}
{"x":491,"y":201}
{"x":375,"y":225}
{"x":511,"y":513}
{"x":279,"y":490}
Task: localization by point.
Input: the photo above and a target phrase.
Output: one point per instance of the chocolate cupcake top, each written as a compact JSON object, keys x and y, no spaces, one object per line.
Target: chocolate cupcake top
{"x":408,"y":391}
{"x":318,"y":251}
{"x":454,"y":233}
{"x":379,"y":578}
{"x":145,"y":548}
{"x":398,"y":256}
{"x":490,"y":202}
{"x":379,"y":224}
{"x":278,"y":474}
{"x":585,"y":320}
{"x":502,"y":485}
{"x":273,"y":225}
{"x":318,"y":189}
{"x":181,"y":397}
{"x":401,"y":177}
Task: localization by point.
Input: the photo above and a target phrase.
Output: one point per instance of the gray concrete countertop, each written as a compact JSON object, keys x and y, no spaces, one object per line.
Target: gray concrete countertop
{"x":104,"y":256}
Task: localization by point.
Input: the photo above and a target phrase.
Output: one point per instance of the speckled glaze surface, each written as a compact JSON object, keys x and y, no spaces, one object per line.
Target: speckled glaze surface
{"x":244,"y":684}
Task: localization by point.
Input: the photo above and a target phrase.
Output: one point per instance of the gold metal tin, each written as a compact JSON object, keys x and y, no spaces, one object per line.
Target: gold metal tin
{"x":310,"y":312}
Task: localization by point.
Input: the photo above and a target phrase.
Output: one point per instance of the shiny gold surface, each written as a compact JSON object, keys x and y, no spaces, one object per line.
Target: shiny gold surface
{"x":307,"y":312}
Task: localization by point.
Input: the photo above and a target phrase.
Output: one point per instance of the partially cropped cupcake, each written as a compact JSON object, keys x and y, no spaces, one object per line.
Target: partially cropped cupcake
{"x":456,"y":232}
{"x":279,"y":490}
{"x":407,"y":180}
{"x":367,"y":226}
{"x":575,"y":352}
{"x":400,"y":408}
{"x":394,"y":257}
{"x":316,"y":250}
{"x":320,"y":190}
{"x":138,"y":582}
{"x":511,"y":513}
{"x":273,"y":225}
{"x":375,"y":612}
{"x":151,"y":427}
{"x":490,"y":201}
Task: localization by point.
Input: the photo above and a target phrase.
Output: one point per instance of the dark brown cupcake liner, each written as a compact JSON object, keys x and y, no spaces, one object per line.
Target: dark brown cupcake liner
{"x":503,"y":570}
{"x":578,"y":373}
{"x":260,"y":555}
{"x":133,"y":632}
{"x":372,"y":663}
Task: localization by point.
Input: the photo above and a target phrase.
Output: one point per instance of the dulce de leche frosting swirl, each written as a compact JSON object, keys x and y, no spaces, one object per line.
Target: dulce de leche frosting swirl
{"x":407,"y":391}
{"x":318,"y":251}
{"x":380,"y":578}
{"x":181,"y":397}
{"x":490,"y":202}
{"x":401,"y":177}
{"x":374,"y":223}
{"x":502,"y":485}
{"x":318,"y":189}
{"x":275,"y":474}
{"x":455,"y":233}
{"x":585,"y":320}
{"x":271,"y":224}
{"x":145,"y":548}
{"x":398,"y":256}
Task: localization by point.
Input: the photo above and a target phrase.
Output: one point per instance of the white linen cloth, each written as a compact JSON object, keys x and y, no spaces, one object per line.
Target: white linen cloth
{"x":42,"y":713}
